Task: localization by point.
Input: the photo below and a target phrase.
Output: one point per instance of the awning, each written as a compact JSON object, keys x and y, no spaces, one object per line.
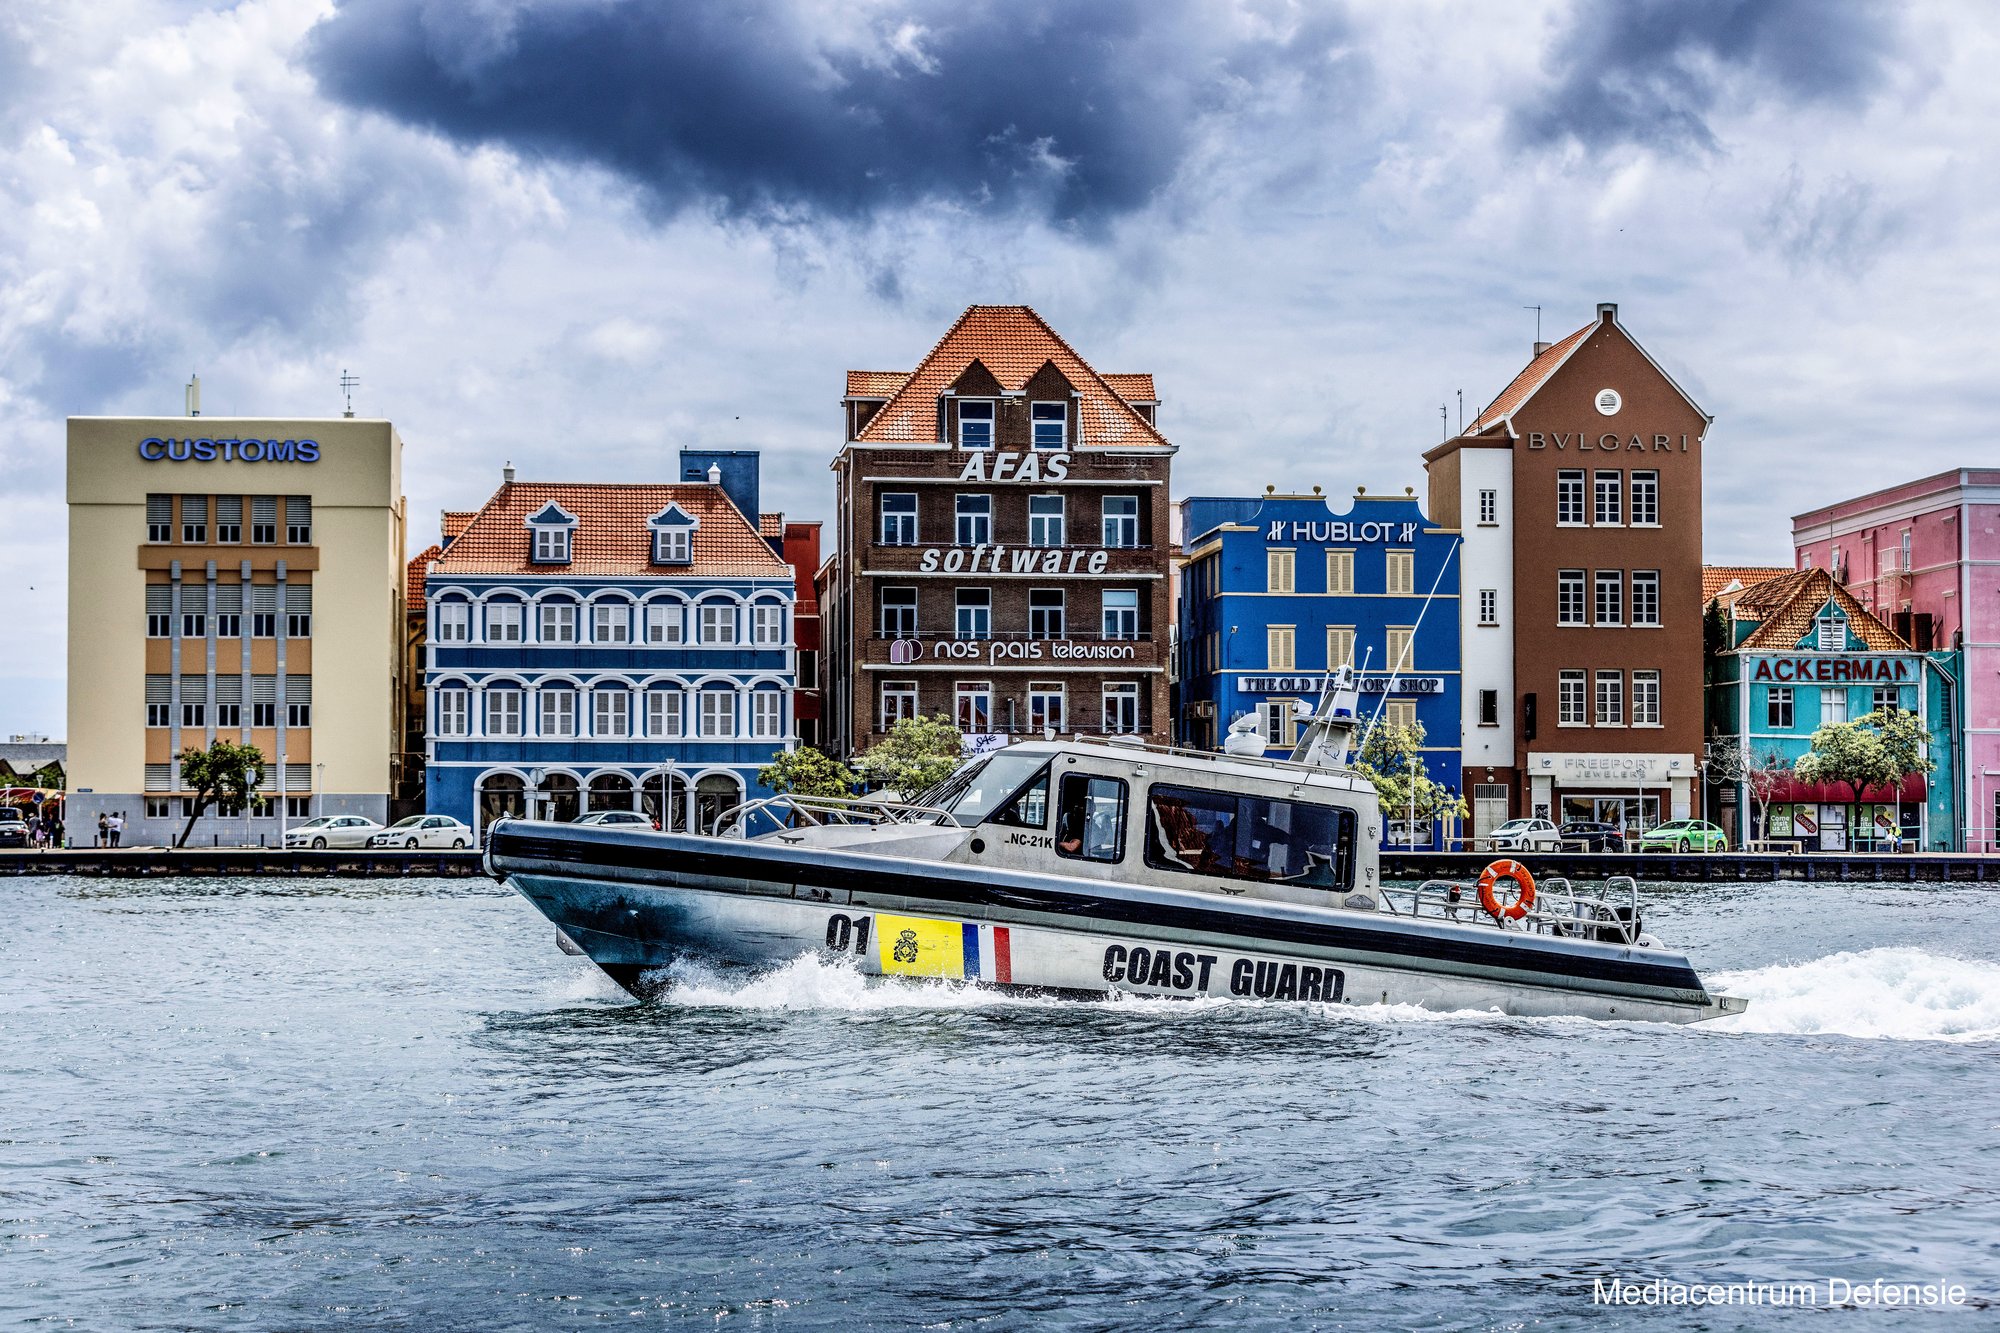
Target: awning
{"x":1790,"y":790}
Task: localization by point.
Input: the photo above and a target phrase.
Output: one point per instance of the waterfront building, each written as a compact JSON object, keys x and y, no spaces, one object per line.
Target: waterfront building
{"x":1002,"y":543}
{"x":238,"y":579}
{"x":1924,"y":557}
{"x":1578,"y":495}
{"x":1278,"y":590}
{"x":607,"y":647}
{"x":1798,"y":652}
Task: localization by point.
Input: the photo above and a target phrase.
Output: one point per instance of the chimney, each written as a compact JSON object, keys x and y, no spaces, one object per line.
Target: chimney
{"x":1607,"y":312}
{"x":1541,"y":347}
{"x":715,"y":474}
{"x":507,"y":474}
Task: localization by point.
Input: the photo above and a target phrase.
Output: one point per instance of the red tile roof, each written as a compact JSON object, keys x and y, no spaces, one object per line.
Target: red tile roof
{"x":1787,"y":606}
{"x":1132,"y":388}
{"x":770,"y":525}
{"x":875,"y":383}
{"x":414,"y":574}
{"x":1715,"y":579}
{"x":1523,"y":385}
{"x":456,"y":521}
{"x":611,"y":536}
{"x":1012,"y":342}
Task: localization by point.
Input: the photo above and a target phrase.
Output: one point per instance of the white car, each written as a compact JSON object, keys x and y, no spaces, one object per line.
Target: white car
{"x":1526,"y":835}
{"x":424,"y":831}
{"x":627,"y":817}
{"x":333,"y":831}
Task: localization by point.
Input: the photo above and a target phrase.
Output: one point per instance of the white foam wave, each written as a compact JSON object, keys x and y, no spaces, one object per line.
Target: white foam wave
{"x":811,"y":982}
{"x":1901,"y":994}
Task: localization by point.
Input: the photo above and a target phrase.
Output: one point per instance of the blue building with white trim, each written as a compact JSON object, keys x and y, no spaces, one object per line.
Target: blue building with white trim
{"x":1276,"y":590}
{"x":609,"y":647}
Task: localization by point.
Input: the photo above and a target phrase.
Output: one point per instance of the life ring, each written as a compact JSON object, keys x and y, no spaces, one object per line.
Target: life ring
{"x":1523,"y":899}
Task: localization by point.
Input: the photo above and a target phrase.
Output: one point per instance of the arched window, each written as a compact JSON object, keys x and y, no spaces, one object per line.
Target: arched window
{"x":556,"y":620}
{"x":501,"y":796}
{"x":665,"y":622}
{"x":717,"y":621}
{"x":713,"y":796}
{"x":717,"y":718}
{"x":611,"y":791}
{"x":454,"y":620}
{"x":560,"y":797}
{"x":665,"y":801}
{"x":504,"y":620}
{"x":767,"y":624}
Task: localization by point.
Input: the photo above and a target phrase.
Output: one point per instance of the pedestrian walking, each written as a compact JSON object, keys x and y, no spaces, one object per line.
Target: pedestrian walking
{"x":117,"y":826}
{"x":103,"y":829}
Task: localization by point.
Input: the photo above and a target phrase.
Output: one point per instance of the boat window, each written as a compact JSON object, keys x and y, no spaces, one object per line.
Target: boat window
{"x":1030,"y":806}
{"x":1090,"y":818}
{"x":1249,"y":837}
{"x":991,"y":783}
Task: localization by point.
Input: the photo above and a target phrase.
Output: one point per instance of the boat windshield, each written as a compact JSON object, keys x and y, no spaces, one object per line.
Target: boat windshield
{"x":974,"y":792}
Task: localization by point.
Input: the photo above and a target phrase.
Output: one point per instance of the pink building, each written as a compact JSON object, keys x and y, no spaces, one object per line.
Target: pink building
{"x":1925,"y":558}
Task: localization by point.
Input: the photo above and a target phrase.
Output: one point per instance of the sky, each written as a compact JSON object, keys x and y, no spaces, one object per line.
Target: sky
{"x":580,"y":235}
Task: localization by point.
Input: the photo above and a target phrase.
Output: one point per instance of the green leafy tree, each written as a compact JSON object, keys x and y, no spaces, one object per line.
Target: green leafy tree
{"x":917,"y":754}
{"x":1878,"y":749}
{"x":807,"y":772}
{"x":1392,"y":759}
{"x":224,"y":773}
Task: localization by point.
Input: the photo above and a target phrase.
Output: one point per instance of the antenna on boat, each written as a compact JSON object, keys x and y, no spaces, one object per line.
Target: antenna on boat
{"x":1330,"y":735}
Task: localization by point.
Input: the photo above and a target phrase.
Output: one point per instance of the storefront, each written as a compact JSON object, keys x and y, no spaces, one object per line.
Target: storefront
{"x":1632,"y":791}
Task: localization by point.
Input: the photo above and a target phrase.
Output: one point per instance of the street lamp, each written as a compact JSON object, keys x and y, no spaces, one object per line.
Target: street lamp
{"x":319,"y":786}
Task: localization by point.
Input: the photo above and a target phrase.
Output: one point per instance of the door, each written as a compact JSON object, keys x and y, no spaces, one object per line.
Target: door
{"x":1489,"y":809}
{"x":1833,"y":828}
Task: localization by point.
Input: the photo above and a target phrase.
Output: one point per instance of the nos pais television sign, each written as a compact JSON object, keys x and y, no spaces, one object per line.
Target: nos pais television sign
{"x":153,"y":449}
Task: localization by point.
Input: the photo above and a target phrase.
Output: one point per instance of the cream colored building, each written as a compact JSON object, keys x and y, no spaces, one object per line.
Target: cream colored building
{"x":240,"y":579}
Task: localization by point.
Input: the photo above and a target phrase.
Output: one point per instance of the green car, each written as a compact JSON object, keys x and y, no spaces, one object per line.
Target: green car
{"x":1684,"y":835}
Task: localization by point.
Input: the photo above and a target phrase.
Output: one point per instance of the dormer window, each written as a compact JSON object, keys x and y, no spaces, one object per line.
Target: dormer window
{"x":1832,"y":632}
{"x":975,"y":425}
{"x":673,"y":535}
{"x":1051,"y":424}
{"x":548,"y":535}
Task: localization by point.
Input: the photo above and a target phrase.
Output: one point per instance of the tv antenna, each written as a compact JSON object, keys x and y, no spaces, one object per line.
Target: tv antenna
{"x":1538,"y":320}
{"x":1444,"y":420}
{"x":348,"y":384}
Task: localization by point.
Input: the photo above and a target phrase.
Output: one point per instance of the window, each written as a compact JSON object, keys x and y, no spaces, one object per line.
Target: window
{"x":1401,"y":579}
{"x":664,"y":713}
{"x":229,"y":519}
{"x":159,"y":518}
{"x":1051,"y":425}
{"x":899,"y":700}
{"x":1045,"y":520}
{"x":664,"y":623}
{"x":1280,"y":647}
{"x":1489,"y":606}
{"x":263,"y":610}
{"x":1610,"y":596}
{"x":454,"y":712}
{"x":1399,"y":650}
{"x":1886,"y":699}
{"x":673,"y":545}
{"x":503,"y":712}
{"x":1645,"y":698}
{"x":1197,"y":831}
{"x":229,"y":717}
{"x":1569,"y":497}
{"x":1610,"y":698}
{"x":1339,"y":646}
{"x":1121,"y":520}
{"x":1646,"y":499}
{"x":899,"y":518}
{"x":1610,"y":499}
{"x":1646,"y":597}
{"x":454,"y":622}
{"x":1340,"y":572}
{"x":1045,"y":707}
{"x":298,"y":520}
{"x":974,"y":706}
{"x":503,"y":622}
{"x":1832,"y":706}
{"x":1400,"y":712}
{"x":264,"y":519}
{"x":1569,"y":597}
{"x":1906,"y":550}
{"x":767,"y":714}
{"x":228,"y":625}
{"x":298,"y":714}
{"x":558,"y":712}
{"x":159,"y":715}
{"x":298,"y":807}
{"x":1278,"y":724}
{"x":551,"y":545}
{"x":194,"y":520}
{"x":1045,"y":614}
{"x":1121,"y":707}
{"x":1121,"y":613}
{"x":975,"y":613}
{"x":975,"y":425}
{"x":298,"y":610}
{"x":1778,"y":708}
{"x":718,"y":713}
{"x":159,"y":807}
{"x":767,"y":625}
{"x":556,"y":622}
{"x":1090,"y":818}
{"x":1278,"y":566}
{"x":1489,"y":506}
{"x":898,"y":611}
{"x":1489,"y":708}
{"x":1570,"y":711}
{"x":718,"y":622}
{"x":1830,"y":632}
{"x":975,"y":520}
{"x":159,"y":610}
{"x":263,"y":713}
{"x":610,"y":622}
{"x":611,"y":711}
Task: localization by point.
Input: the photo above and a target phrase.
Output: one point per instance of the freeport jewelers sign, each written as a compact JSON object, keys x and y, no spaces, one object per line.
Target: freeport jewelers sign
{"x":153,"y":449}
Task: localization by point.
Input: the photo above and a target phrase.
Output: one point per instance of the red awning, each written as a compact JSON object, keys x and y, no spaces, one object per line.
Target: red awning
{"x":1789,"y":790}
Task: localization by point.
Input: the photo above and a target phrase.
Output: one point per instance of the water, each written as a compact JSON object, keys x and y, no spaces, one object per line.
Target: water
{"x":267,"y":1105}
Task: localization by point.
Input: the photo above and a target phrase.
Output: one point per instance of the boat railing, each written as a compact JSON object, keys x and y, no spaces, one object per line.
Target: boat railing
{"x":789,"y":810}
{"x":1610,"y":916}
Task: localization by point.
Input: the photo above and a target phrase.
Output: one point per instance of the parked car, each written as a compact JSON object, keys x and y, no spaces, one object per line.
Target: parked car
{"x":1526,"y":835}
{"x":423,"y":831}
{"x":1684,"y":835}
{"x":333,"y":831}
{"x":632,"y":817}
{"x":13,"y":827}
{"x":1594,"y":836}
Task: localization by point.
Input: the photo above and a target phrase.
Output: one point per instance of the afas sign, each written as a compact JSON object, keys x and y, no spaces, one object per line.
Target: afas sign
{"x":1015,"y":467}
{"x":156,"y":450}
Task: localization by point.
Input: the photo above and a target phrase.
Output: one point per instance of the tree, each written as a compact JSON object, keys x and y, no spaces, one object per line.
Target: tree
{"x":916,"y":755}
{"x":807,"y":772}
{"x":1877,"y":749}
{"x":225,"y":773}
{"x":1392,"y":759}
{"x":1736,"y":760}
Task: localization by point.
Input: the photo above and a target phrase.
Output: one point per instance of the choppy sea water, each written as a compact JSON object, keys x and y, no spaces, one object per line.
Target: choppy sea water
{"x":259,"y":1104}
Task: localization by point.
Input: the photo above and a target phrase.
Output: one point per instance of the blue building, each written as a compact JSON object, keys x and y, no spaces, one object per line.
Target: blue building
{"x":609,"y":647}
{"x":1277,"y":590}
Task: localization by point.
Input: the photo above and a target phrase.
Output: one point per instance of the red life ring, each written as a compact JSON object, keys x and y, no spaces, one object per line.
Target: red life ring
{"x":1524,"y":898}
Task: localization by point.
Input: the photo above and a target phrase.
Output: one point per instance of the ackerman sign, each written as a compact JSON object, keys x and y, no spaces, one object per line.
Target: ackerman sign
{"x":153,"y":449}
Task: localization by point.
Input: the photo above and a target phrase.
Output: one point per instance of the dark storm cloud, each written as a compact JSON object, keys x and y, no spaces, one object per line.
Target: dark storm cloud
{"x":1077,"y":112}
{"x":1649,"y":72}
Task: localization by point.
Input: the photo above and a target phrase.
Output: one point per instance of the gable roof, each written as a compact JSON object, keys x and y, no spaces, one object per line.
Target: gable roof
{"x":414,"y":575}
{"x":455,"y":521}
{"x":1133,"y":388}
{"x":1788,"y":606}
{"x":1538,"y":372}
{"x":1013,"y":343}
{"x":611,"y":535}
{"x":875,"y":383}
{"x":1719,"y":579}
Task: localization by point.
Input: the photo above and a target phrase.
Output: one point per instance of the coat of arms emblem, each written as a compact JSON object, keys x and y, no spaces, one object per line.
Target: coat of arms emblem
{"x":906,"y":947}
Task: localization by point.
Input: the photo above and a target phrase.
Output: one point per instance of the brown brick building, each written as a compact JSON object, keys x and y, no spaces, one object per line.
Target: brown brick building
{"x":1002,"y":543}
{"x":1579,"y":494}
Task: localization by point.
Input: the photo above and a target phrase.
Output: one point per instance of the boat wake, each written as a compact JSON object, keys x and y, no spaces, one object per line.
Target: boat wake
{"x":1901,"y":994}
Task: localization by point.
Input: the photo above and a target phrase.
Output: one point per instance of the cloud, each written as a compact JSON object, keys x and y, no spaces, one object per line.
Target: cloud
{"x":1653,"y":72}
{"x":768,"y":108}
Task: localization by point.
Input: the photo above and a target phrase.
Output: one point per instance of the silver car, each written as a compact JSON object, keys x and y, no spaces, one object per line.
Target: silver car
{"x":424,"y":831}
{"x":1526,"y":835}
{"x":333,"y":831}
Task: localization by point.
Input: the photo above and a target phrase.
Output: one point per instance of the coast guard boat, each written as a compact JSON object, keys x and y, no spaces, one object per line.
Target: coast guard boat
{"x":1094,"y":866}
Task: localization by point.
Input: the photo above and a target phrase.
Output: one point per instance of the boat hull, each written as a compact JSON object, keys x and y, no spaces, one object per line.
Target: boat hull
{"x":637,"y":902}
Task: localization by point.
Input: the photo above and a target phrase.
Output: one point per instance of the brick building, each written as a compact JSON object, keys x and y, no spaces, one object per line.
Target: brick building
{"x":1003,"y":543}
